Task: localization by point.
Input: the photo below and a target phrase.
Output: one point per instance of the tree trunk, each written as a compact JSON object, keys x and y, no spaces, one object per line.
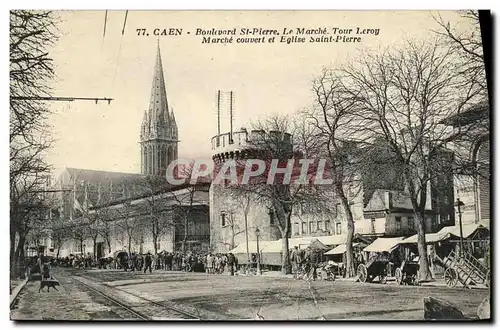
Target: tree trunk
{"x":350,"y":271}
{"x":155,"y":242}
{"x":22,"y":274}
{"x":94,"y":239}
{"x":285,"y":266}
{"x":232,"y":236}
{"x":18,"y":257}
{"x":58,"y":251}
{"x":12,"y":253}
{"x":184,"y":239}
{"x":129,"y":244}
{"x":246,"y":235}
{"x":424,"y":273}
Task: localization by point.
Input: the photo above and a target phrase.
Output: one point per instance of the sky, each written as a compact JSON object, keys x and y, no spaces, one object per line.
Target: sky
{"x":265,"y":78}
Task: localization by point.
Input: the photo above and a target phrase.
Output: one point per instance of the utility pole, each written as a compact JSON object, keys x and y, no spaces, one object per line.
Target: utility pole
{"x":231,"y":117}
{"x":218,"y":118}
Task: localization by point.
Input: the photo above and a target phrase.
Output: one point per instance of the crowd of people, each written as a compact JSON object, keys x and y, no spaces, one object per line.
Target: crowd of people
{"x":209,"y":263}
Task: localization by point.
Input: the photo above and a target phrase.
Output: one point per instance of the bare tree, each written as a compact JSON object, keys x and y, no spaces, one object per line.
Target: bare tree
{"x":60,"y":233}
{"x":464,"y":39}
{"x":273,"y":143}
{"x":155,"y":206}
{"x":127,"y":221}
{"x":332,"y":118}
{"x":402,"y":97}
{"x":32,"y":33}
{"x":237,"y":202}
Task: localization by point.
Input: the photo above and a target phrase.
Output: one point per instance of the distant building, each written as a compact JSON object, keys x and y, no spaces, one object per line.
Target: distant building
{"x":91,"y":192}
{"x":472,"y":127}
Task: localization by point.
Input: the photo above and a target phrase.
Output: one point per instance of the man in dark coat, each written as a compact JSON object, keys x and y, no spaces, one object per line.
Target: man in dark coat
{"x":231,"y":260}
{"x":314,"y":259}
{"x":148,"y":261}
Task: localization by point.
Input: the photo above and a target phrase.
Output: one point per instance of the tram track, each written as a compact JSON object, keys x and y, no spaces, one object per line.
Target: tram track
{"x":147,"y":309}
{"x":116,"y":302}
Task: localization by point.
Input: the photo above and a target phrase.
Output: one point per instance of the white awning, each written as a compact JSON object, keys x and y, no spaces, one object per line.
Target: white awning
{"x":384,"y":244}
{"x":340,"y":249}
{"x":252,"y":247}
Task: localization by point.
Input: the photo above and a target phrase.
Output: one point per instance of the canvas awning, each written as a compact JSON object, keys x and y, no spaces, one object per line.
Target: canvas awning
{"x":340,"y":249}
{"x":446,"y":233}
{"x":252,"y":247}
{"x":333,"y":239}
{"x":317,"y":245}
{"x":384,"y":244}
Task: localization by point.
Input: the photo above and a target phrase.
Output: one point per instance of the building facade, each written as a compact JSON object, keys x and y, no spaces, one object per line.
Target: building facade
{"x":472,"y":127}
{"x":138,"y":203}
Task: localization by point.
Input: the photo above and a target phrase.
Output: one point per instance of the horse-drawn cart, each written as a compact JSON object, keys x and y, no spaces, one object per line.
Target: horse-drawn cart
{"x":407,"y":273}
{"x":378,"y":264}
{"x":466,"y":269}
{"x":375,"y":267}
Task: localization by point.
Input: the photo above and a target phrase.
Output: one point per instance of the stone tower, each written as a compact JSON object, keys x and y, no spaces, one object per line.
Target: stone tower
{"x":159,"y":135}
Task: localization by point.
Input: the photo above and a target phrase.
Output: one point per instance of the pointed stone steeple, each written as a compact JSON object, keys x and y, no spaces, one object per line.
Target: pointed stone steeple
{"x":158,"y":130}
{"x":145,"y":126}
{"x":173,"y":124}
{"x":158,"y":103}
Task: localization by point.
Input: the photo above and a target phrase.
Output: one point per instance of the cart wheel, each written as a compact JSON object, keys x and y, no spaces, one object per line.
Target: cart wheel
{"x":362,"y":273}
{"x":487,"y":280}
{"x":399,"y":276}
{"x":450,"y":277}
{"x":383,"y":279}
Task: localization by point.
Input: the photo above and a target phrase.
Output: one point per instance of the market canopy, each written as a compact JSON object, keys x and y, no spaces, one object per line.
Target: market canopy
{"x":301,"y":243}
{"x":317,"y":245}
{"x":340,"y":249}
{"x":384,"y":244}
{"x":252,"y":247}
{"x":446,"y":233}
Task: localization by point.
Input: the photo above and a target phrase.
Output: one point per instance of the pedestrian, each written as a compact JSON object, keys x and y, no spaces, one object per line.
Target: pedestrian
{"x":231,"y":260}
{"x":296,"y":260}
{"x":314,"y":261}
{"x":148,"y":262}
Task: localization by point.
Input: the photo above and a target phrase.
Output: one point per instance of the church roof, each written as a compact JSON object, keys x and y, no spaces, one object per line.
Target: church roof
{"x":96,"y":176}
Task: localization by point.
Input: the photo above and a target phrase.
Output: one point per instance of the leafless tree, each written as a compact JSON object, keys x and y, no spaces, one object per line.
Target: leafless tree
{"x":333,"y":123}
{"x":280,"y":196}
{"x":32,"y":33}
{"x":155,"y":206}
{"x":60,"y":233}
{"x":464,"y":38}
{"x":402,"y":96}
{"x":237,"y":202}
{"x":128,"y":222}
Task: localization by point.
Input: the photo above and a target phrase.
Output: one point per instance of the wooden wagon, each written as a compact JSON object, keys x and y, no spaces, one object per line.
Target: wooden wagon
{"x":407,"y":273}
{"x":377,"y":265}
{"x":466,"y":269}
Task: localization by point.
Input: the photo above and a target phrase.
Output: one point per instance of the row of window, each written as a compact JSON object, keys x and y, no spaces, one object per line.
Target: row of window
{"x":316,"y":226}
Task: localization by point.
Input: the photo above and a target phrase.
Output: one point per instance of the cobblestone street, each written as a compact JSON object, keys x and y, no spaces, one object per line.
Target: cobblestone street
{"x":238,"y":297}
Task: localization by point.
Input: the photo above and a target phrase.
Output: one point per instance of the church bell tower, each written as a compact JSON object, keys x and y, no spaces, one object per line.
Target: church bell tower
{"x":159,"y":135}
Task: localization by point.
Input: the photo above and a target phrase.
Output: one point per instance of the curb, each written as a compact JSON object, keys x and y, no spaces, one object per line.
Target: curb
{"x":17,"y":290}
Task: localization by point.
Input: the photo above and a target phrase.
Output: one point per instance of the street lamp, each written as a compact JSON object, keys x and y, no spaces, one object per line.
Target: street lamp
{"x":257,"y":234}
{"x":459,"y":205}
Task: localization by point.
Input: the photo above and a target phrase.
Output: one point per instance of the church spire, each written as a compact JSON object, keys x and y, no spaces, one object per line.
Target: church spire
{"x":158,"y":104}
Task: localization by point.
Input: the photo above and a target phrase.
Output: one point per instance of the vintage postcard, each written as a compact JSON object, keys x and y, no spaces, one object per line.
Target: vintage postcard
{"x":250,"y":165}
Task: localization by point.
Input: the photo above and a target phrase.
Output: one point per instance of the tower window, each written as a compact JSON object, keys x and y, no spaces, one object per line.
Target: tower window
{"x":223,"y":218}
